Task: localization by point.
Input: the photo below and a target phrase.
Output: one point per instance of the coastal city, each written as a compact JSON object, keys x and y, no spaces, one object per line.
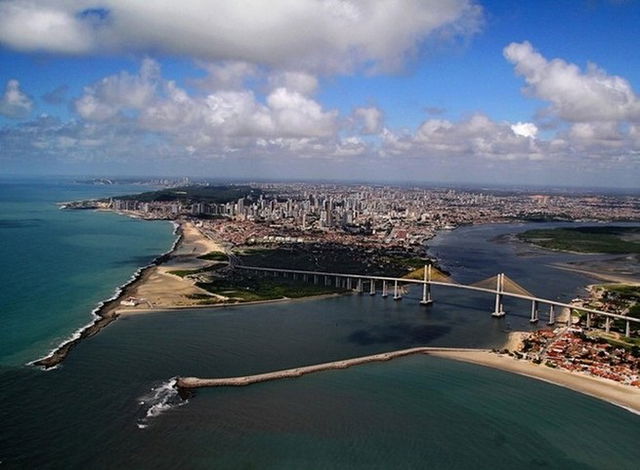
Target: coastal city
{"x":368,"y":214}
{"x":286,"y":222}
{"x":319,"y":234}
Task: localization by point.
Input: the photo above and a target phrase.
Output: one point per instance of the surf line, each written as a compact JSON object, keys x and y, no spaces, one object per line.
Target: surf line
{"x":105,"y":312}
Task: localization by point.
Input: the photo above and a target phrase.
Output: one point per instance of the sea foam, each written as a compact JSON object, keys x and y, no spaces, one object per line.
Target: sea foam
{"x":94,"y":313}
{"x":160,"y":399}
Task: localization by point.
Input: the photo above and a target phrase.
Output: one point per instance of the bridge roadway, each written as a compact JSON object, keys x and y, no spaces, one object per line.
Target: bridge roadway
{"x":426,"y":299}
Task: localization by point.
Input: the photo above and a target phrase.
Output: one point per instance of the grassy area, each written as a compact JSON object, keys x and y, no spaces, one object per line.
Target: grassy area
{"x":608,"y":239}
{"x":187,"y":272}
{"x":250,"y":289}
{"x":214,"y":256}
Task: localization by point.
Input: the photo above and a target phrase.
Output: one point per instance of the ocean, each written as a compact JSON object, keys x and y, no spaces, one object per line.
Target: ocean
{"x":110,"y":404}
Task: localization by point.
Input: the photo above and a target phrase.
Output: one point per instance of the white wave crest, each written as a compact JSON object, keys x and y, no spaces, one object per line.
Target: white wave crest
{"x":160,"y":399}
{"x":94,"y":313}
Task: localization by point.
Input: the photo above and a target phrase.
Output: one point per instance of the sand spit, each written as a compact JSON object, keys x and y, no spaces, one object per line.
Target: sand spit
{"x":621,"y":395}
{"x":603,"y":276}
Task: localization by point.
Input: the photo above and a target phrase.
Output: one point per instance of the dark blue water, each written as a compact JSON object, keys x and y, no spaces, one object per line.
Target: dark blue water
{"x":100,"y":410}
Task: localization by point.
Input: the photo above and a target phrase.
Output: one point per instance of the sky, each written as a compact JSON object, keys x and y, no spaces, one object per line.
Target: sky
{"x":540,"y":92}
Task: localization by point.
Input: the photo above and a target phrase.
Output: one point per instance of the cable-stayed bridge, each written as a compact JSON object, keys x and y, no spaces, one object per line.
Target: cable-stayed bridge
{"x":499,"y":285}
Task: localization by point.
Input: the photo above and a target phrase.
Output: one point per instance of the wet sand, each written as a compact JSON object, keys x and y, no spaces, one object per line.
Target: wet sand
{"x":604,"y":276}
{"x":618,"y":394}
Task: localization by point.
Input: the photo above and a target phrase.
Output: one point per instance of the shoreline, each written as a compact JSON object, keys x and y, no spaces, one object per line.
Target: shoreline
{"x":611,"y":392}
{"x":140,"y":311}
{"x":156,"y":281}
{"x":106,"y":311}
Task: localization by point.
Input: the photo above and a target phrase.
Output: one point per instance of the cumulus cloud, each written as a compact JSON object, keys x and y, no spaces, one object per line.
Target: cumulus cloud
{"x":29,"y":25}
{"x":525,"y":129}
{"x":320,"y":34}
{"x":368,"y":120}
{"x":14,"y":103}
{"x":227,"y":75}
{"x":301,"y":82}
{"x":476,"y":136}
{"x":111,"y":95}
{"x":575,"y":95}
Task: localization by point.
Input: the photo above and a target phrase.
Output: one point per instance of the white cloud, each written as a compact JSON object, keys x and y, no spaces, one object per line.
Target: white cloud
{"x":475,"y":137}
{"x":369,"y":120}
{"x":41,"y":25}
{"x":575,"y":95}
{"x":14,"y":103}
{"x":301,"y":82}
{"x":113,"y":94}
{"x":228,"y":75}
{"x":326,"y":35}
{"x":525,"y":129}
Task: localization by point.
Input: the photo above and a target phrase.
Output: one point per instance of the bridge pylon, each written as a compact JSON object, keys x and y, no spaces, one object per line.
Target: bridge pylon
{"x":499,"y":309}
{"x":426,"y":287}
{"x":534,"y":312}
{"x":396,"y":291}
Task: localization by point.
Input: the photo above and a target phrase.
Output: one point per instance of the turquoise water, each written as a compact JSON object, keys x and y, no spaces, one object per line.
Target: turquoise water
{"x":58,"y":265}
{"x":104,"y":407}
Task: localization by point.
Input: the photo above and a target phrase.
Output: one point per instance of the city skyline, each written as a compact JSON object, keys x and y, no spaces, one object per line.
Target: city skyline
{"x":456,"y":91}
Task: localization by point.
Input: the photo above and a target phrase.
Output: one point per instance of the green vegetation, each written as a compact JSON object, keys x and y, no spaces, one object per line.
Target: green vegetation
{"x":608,"y":239}
{"x":190,"y":194}
{"x":214,"y":256}
{"x":334,"y":258}
{"x":251,"y":289}
{"x":188,"y":272}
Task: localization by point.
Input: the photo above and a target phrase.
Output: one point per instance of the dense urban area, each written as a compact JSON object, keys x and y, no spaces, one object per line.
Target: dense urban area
{"x":374,"y":215}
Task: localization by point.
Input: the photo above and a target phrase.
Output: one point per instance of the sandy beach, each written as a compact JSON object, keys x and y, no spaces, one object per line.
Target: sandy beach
{"x":162,"y":290}
{"x":625,"y":396}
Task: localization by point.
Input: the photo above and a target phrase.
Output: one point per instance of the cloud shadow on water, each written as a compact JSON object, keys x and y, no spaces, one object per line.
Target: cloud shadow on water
{"x":398,"y":334}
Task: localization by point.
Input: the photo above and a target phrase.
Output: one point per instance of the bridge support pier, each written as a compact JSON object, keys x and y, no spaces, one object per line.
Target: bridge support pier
{"x":588,"y":321}
{"x":552,"y":316}
{"x":315,"y":279}
{"x":534,"y":312}
{"x":337,"y":281}
{"x":372,"y":288}
{"x":396,"y":292}
{"x":385,"y":293}
{"x":627,"y":329}
{"x":349,"y":283}
{"x":499,"y":309}
{"x":426,"y":287}
{"x":607,"y":325}
{"x":359,"y":286}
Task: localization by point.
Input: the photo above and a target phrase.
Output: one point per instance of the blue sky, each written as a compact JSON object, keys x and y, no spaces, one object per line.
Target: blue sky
{"x":442,"y":91}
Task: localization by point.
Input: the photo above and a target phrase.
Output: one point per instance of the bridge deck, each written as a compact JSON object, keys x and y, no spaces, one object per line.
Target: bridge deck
{"x":445,"y":284}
